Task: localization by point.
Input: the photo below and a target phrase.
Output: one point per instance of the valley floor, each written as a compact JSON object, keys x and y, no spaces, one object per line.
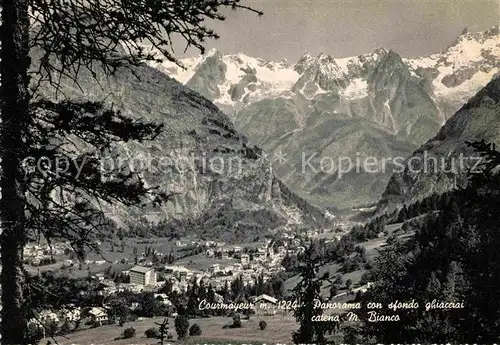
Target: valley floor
{"x":279,"y":327}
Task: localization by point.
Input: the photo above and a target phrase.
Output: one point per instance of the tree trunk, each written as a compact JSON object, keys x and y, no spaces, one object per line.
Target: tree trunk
{"x":14,"y":108}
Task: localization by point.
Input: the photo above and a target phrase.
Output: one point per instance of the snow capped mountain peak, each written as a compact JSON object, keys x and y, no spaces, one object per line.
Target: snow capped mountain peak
{"x":325,"y":58}
{"x":480,"y":36}
{"x":459,"y":71}
{"x":472,"y":45}
{"x":306,"y":56}
{"x":381,"y":51}
{"x":377,"y":103}
{"x":323,"y":63}
{"x":304,"y":62}
{"x":322,"y":58}
{"x":392,"y":58}
{"x":285,"y":63}
{"x":374,"y":55}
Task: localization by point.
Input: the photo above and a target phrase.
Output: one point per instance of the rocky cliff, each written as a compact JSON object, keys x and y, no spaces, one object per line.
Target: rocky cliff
{"x":220,"y":180}
{"x":443,"y":162}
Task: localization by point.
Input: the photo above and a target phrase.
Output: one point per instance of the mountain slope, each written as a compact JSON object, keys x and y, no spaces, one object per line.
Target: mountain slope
{"x":199,"y":155}
{"x":377,"y":104}
{"x":478,"y":119}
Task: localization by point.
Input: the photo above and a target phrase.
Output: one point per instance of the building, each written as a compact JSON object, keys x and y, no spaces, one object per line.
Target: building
{"x":218,"y":298}
{"x":163,"y":298}
{"x":363,"y":288}
{"x":214,"y":268}
{"x":245,"y":259}
{"x":48,"y":316}
{"x":98,"y":315}
{"x":71,"y":314}
{"x":142,"y":275}
{"x":99,"y":276}
{"x":265,"y":305}
{"x":260,"y":255}
{"x":237,"y":267}
{"x":183,"y":276}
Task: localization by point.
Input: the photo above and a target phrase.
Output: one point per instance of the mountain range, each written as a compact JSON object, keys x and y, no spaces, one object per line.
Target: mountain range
{"x":373,"y":105}
{"x":313,"y":116}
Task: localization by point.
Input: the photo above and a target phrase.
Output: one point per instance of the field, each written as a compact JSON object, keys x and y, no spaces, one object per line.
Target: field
{"x":279,"y":329}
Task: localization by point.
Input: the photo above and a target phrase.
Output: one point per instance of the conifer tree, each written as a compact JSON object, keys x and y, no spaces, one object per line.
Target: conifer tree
{"x":306,"y":293}
{"x":64,"y":38}
{"x":454,"y":259}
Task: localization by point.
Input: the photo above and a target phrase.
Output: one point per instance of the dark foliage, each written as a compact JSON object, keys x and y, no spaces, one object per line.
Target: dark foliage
{"x":306,"y":293}
{"x":453,"y":259}
{"x":152,"y":333}
{"x":128,"y":333}
{"x":236,"y":321}
{"x":262,"y":325}
{"x":75,"y":215}
{"x":66,"y":37}
{"x":81,"y":33}
{"x":163,"y":331}
{"x":181,"y":326}
{"x":194,"y":330}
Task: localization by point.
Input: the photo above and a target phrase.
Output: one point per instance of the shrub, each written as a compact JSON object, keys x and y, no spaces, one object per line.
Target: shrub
{"x":181,"y":326}
{"x":65,"y":328}
{"x":348,"y":283}
{"x":195,"y":330}
{"x":262,"y":325}
{"x":391,"y":239}
{"x":129,"y":333}
{"x":51,"y":328}
{"x":334,"y":289}
{"x":152,"y":333}
{"x":237,"y":321}
{"x":121,"y":321}
{"x":34,"y":333}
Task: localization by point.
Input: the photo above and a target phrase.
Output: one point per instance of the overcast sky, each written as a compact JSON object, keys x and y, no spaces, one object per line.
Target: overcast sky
{"x":342,"y":28}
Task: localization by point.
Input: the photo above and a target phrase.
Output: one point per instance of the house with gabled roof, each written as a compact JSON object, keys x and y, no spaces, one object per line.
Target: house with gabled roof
{"x":144,"y":276}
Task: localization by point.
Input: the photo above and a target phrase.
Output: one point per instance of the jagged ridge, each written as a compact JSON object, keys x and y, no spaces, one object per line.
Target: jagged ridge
{"x":405,"y":101}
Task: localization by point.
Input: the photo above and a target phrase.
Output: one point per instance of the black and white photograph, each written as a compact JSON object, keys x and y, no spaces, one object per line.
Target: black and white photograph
{"x":249,"y":172}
